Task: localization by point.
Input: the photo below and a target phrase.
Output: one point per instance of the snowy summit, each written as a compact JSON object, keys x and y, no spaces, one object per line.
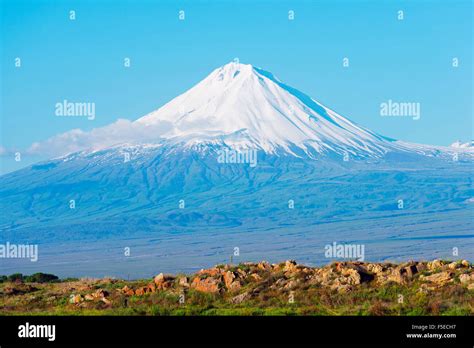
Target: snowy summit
{"x":248,"y":106}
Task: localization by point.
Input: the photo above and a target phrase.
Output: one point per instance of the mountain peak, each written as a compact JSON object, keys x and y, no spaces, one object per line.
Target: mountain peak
{"x":231,"y":71}
{"x":241,"y":99}
{"x":234,"y":66}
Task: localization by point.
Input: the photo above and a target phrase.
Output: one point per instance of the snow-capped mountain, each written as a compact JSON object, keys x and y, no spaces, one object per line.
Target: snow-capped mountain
{"x":249,"y":107}
{"x":174,"y":195}
{"x":242,"y":106}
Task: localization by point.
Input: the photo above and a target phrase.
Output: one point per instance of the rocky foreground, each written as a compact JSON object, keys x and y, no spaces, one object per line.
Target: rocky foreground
{"x":341,"y":288}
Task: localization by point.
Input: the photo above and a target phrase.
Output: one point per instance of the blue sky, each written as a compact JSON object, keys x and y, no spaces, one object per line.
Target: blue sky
{"x":82,"y":60}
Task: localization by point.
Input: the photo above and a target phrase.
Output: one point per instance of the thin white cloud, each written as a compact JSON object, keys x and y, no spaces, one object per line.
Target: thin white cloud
{"x":119,"y":132}
{"x":6,"y":151}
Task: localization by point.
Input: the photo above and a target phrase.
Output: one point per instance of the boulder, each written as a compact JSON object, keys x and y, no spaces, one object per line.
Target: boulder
{"x":151,"y":287}
{"x":100,"y":293}
{"x":183,"y":281}
{"x":398,"y":275}
{"x":375,"y":268}
{"x":466,"y":278}
{"x":234,"y":286}
{"x":276,"y":267}
{"x":440,"y":278}
{"x":356,"y":276}
{"x":454,"y":265}
{"x":209,"y":285}
{"x":127,"y":291}
{"x":434,"y":265}
{"x":290,"y":266}
{"x":159,"y":279}
{"x":164,"y":281}
{"x":352,"y":276}
{"x":410,"y":270}
{"x":240,"y":298}
{"x":228,"y":278}
{"x":140,"y":291}
{"x":211,"y":271}
{"x":230,"y":281}
{"x":264,"y":266}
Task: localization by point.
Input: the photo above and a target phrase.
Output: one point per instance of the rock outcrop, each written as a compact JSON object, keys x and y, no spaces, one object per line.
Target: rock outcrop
{"x":344,"y":287}
{"x":339,"y":277}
